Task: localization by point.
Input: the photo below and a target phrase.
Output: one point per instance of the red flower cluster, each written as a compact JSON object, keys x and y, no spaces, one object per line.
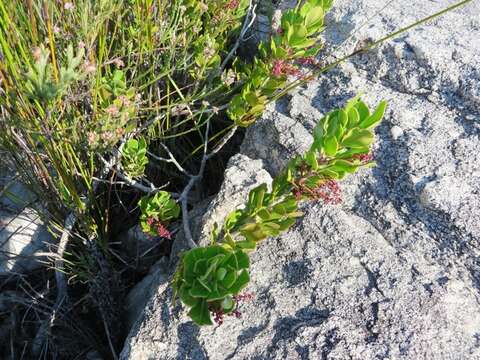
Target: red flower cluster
{"x":309,"y":60}
{"x":160,"y":228}
{"x":232,"y":4}
{"x":364,"y":157}
{"x":329,"y":192}
{"x":219,"y":315}
{"x":243,"y":297}
{"x":282,"y":67}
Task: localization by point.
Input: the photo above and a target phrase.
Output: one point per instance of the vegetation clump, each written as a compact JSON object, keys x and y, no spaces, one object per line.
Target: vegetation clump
{"x":209,"y":278}
{"x":113,"y":111}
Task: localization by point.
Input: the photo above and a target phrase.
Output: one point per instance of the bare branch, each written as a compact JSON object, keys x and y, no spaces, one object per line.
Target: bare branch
{"x":184,"y":195}
{"x":149,"y":188}
{"x":222,"y":143}
{"x":171,"y":159}
{"x":61,"y":282}
{"x":183,"y":198}
{"x":247,"y":23}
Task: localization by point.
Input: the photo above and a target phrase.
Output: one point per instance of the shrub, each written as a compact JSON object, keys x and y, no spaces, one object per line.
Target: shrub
{"x":103,"y":103}
{"x":157,"y":212}
{"x":342,"y":145}
{"x":86,"y":87}
{"x":134,"y":157}
{"x":210,"y":277}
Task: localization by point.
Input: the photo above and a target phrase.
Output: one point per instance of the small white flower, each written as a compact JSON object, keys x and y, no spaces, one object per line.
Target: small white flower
{"x":112,"y":110}
{"x":119,"y":63}
{"x":68,"y":6}
{"x":229,"y":77}
{"x":90,"y":68}
{"x":208,"y":52}
{"x":125,"y":101}
{"x":106,"y":136}
{"x":91,"y":138}
{"x":37,"y":53}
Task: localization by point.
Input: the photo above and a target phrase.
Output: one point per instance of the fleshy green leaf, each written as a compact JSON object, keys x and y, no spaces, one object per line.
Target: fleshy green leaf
{"x":241,"y":282}
{"x":247,"y":245}
{"x":311,"y":159}
{"x":221,"y":273}
{"x":314,"y":19}
{"x":199,"y":289}
{"x":330,"y":146}
{"x":185,"y":296}
{"x":242,"y":259}
{"x":229,"y":279}
{"x":358,"y":138}
{"x":228,"y":304}
{"x":362,"y":109}
{"x":200,"y":313}
{"x":373,"y":119}
{"x":353,"y":118}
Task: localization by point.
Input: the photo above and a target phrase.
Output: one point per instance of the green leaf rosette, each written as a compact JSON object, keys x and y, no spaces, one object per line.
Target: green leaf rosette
{"x":209,"y":278}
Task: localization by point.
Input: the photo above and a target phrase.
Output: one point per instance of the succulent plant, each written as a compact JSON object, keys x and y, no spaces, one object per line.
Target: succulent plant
{"x":160,"y":208}
{"x":134,"y":157}
{"x":296,"y":38}
{"x":342,"y":142}
{"x":208,"y":278}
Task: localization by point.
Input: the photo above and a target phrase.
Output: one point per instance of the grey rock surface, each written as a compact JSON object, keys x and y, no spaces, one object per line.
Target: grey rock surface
{"x":275,"y":139}
{"x":325,"y":290}
{"x":23,"y":237}
{"x":139,"y":295}
{"x":393,"y":272}
{"x":241,"y":175}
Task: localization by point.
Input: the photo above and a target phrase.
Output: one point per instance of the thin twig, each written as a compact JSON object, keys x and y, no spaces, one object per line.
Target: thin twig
{"x":183,"y":198}
{"x":315,"y":73}
{"x":61,"y":282}
{"x":184,"y":195}
{"x":8,"y":185}
{"x":148,"y":189}
{"x":365,"y":23}
{"x":222,"y":143}
{"x":59,"y":265}
{"x":110,"y":344}
{"x":247,"y":23}
{"x":171,"y":159}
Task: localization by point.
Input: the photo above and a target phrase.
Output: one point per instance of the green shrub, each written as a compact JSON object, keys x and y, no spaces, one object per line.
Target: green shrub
{"x":310,"y":176}
{"x":134,"y":157}
{"x":90,"y":91}
{"x":210,"y":277}
{"x":160,"y":208}
{"x":79,"y":80}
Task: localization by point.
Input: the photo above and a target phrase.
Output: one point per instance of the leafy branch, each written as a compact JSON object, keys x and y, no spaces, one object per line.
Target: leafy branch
{"x":209,"y":278}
